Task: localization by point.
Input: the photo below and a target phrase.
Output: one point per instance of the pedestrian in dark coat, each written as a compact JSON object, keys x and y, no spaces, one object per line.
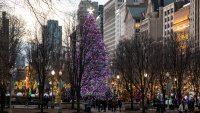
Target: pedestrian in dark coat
{"x":119,"y":104}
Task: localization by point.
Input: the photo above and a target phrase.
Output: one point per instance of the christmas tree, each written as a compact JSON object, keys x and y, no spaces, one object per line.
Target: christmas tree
{"x":96,"y":68}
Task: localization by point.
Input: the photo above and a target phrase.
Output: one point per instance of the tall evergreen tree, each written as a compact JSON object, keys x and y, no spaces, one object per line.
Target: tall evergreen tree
{"x":96,"y":63}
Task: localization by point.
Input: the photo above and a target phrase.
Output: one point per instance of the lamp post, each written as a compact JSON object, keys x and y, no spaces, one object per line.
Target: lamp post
{"x":52,"y":101}
{"x":118,"y":77}
{"x":60,"y":75}
{"x":12,"y":72}
{"x":167,"y":75}
{"x":175,"y":80}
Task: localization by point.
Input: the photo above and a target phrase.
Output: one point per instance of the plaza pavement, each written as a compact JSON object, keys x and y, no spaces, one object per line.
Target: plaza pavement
{"x":34,"y":110}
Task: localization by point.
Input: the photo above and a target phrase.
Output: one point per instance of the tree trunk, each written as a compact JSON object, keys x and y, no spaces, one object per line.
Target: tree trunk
{"x":2,"y":99}
{"x":179,"y":95}
{"x":131,"y":96}
{"x":39,"y":102}
{"x":78,"y":98}
{"x":163,"y":107}
{"x":143,"y":96}
{"x":73,"y":95}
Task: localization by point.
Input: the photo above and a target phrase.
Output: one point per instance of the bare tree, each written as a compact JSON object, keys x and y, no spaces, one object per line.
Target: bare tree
{"x":39,"y":55}
{"x":132,"y":60}
{"x":194,"y":71}
{"x":178,"y":62}
{"x":12,"y":31}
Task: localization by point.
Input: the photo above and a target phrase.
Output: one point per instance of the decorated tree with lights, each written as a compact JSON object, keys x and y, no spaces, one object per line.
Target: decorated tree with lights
{"x":96,"y":70}
{"x":92,"y":60}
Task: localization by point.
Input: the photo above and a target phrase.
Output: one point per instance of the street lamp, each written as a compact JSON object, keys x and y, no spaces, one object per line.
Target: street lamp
{"x":145,"y":75}
{"x":52,"y":102}
{"x":60,"y":74}
{"x":53,"y":72}
{"x":118,"y":77}
{"x":12,"y":72}
{"x":167,"y":74}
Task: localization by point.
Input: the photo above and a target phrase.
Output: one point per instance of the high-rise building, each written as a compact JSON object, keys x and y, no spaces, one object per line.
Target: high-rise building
{"x":52,"y":34}
{"x":168,"y":16}
{"x":109,"y":24}
{"x":119,"y":23}
{"x":181,"y":25}
{"x":100,"y":14}
{"x":195,"y":24}
{"x":4,"y":46}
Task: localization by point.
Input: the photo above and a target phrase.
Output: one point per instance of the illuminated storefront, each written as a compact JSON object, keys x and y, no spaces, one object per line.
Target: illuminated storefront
{"x":181,"y":26}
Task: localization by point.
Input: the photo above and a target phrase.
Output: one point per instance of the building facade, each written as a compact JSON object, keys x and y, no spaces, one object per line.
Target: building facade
{"x":168,"y":16}
{"x":195,"y":24}
{"x":181,"y":25}
{"x":151,"y":26}
{"x":119,"y":23}
{"x":168,"y":19}
{"x":134,"y":15}
{"x":109,"y":25}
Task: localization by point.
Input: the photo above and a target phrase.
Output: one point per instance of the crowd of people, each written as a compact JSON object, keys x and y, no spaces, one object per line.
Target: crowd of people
{"x":102,"y":104}
{"x":186,"y":105}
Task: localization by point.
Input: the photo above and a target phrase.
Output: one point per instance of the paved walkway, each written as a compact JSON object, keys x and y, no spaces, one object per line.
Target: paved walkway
{"x":33,"y":110}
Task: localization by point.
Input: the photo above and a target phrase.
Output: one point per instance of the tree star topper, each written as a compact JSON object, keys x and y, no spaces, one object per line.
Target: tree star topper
{"x":90,"y":10}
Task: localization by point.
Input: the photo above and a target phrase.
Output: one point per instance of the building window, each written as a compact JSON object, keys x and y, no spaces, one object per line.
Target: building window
{"x":172,"y":10}
{"x":165,"y":19}
{"x":168,"y":11}
{"x":168,"y":18}
{"x":172,"y":17}
{"x":165,"y":13}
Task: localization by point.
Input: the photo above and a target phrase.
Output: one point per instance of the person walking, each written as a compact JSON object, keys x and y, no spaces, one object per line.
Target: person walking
{"x":114,"y":105}
{"x":181,"y":109}
{"x":158,"y":107}
{"x":119,"y":104}
{"x":186,"y":108}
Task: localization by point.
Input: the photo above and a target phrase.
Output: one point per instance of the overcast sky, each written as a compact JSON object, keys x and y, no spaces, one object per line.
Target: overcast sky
{"x":60,"y":12}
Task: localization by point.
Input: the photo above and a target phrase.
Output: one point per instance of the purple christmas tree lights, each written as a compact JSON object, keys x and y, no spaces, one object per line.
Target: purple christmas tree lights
{"x":96,"y":63}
